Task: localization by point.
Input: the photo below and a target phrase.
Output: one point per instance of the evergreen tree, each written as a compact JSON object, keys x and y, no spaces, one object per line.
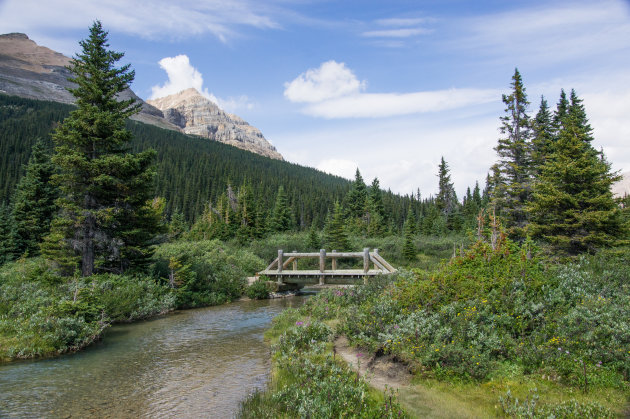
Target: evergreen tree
{"x":356,"y":199}
{"x":336,"y":236}
{"x":514,"y":151}
{"x":543,"y":136}
{"x":34,"y":201}
{"x":314,"y":242}
{"x":282,"y":217}
{"x":7,"y":234}
{"x":376,"y":210}
{"x":446,"y":199}
{"x":105,"y":190}
{"x":561,"y":113}
{"x":177,"y":227}
{"x":409,"y":248}
{"x":573,"y":207}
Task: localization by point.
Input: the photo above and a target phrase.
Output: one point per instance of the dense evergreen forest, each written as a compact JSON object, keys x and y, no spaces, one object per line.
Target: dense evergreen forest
{"x":191,"y":171}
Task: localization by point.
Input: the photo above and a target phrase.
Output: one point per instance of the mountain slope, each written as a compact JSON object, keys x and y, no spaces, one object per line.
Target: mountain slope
{"x":197,"y":115}
{"x":190,"y":171}
{"x":32,"y":71}
{"x":35,"y":72}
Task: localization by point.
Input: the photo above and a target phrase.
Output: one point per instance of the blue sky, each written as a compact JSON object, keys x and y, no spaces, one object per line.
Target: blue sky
{"x":389,"y":87}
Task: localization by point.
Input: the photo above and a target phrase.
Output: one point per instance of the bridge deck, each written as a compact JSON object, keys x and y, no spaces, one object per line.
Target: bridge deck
{"x":318,"y":273}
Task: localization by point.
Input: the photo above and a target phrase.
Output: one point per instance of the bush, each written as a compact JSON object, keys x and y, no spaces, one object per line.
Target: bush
{"x":259,"y":290}
{"x":205,"y":272}
{"x":43,"y":314}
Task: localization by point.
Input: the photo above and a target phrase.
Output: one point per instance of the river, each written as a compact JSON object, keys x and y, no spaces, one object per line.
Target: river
{"x":190,"y":364}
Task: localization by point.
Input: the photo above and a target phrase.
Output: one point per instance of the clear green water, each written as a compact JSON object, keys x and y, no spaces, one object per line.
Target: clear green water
{"x":191,"y":364}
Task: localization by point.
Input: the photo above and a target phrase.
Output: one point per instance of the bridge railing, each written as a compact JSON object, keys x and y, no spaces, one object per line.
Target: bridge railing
{"x":278,"y":267}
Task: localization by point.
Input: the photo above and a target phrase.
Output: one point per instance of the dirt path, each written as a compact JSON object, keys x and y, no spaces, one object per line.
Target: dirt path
{"x":380,"y":371}
{"x":417,"y":399}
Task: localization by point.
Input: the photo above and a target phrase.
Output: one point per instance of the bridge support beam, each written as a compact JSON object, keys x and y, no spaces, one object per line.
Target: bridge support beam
{"x":280,"y":256}
{"x":322,"y":265}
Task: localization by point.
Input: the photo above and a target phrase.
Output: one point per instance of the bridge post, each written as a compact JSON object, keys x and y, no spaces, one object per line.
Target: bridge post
{"x":322,"y":265}
{"x":295,"y":262}
{"x":280,"y":256}
{"x":334,"y":262}
{"x":366,"y":264}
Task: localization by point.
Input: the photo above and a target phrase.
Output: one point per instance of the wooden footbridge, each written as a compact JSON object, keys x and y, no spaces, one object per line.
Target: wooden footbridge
{"x":327,"y":272}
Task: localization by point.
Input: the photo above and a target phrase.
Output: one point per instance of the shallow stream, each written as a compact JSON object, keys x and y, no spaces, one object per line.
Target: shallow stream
{"x":191,"y":364}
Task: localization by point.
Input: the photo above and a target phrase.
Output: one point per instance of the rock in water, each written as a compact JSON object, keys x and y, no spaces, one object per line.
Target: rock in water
{"x":197,"y":115}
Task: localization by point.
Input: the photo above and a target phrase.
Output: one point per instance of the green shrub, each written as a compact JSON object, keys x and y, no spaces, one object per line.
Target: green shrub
{"x":259,"y":290}
{"x":205,"y":272}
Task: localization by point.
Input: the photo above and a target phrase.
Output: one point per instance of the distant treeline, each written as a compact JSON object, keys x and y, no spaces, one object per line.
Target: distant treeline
{"x":191,"y":171}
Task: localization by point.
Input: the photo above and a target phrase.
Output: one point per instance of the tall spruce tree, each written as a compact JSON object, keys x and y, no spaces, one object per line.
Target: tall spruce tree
{"x":409,"y":248}
{"x":573,"y":207}
{"x":282,"y":217}
{"x":543,"y":136}
{"x":335,"y":231}
{"x":104,"y":189}
{"x":356,"y":199}
{"x":7,"y":234}
{"x":514,"y":152}
{"x":34,"y":201}
{"x":446,"y":199}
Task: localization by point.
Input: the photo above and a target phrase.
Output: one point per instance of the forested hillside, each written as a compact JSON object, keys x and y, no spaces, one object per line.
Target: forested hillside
{"x":190,"y":171}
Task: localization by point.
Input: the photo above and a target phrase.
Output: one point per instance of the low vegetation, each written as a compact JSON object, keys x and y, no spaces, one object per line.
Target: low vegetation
{"x":501,"y":321}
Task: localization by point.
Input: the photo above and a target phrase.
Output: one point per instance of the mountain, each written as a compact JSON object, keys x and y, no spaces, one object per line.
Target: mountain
{"x":197,"y":115}
{"x":191,"y":171}
{"x":35,"y":72}
{"x":32,"y":71}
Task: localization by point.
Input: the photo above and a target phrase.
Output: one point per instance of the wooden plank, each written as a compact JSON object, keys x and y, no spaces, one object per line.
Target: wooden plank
{"x":384,"y":262}
{"x":271,"y":265}
{"x":291,"y":259}
{"x":377,"y":263}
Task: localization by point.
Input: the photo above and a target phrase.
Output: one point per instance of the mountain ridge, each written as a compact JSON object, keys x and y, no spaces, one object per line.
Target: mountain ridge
{"x":197,"y":115}
{"x":33,"y":71}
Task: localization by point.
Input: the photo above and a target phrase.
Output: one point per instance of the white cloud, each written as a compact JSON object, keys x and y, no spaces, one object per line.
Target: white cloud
{"x":333,"y":91}
{"x":330,"y":80}
{"x":402,"y":21}
{"x":151,"y":19}
{"x":182,"y":75}
{"x":384,"y":105}
{"x":396,"y":33}
{"x":549,"y":34}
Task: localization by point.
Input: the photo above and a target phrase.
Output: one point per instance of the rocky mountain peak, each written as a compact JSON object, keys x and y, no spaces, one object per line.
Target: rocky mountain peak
{"x":197,"y":115}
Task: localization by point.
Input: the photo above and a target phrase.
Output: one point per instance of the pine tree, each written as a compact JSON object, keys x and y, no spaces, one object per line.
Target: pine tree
{"x":561,"y":113}
{"x":282,"y":217}
{"x":105,"y":191}
{"x":177,"y":227}
{"x":34,"y":201}
{"x":313,"y":238}
{"x":573,"y":207}
{"x":514,"y":151}
{"x":376,"y":210}
{"x":356,"y":199}
{"x":7,"y":234}
{"x":336,"y":236}
{"x":446,"y":199}
{"x":543,"y":136}
{"x":409,"y":248}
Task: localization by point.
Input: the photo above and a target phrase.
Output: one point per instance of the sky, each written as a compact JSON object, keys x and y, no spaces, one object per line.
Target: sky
{"x":388,"y":87}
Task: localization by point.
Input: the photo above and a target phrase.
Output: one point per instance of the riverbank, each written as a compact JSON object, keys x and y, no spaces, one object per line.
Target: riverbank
{"x":44,"y":314}
{"x":190,"y":363}
{"x":491,"y":333}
